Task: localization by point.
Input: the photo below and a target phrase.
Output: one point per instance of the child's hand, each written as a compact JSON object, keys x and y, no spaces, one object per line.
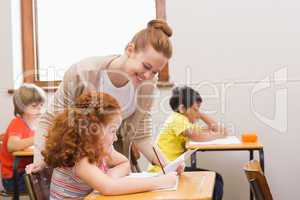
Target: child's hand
{"x":35,"y":167}
{"x":180,"y":168}
{"x":214,"y":127}
{"x":219,"y":130}
{"x":225,"y":132}
{"x":222,"y":132}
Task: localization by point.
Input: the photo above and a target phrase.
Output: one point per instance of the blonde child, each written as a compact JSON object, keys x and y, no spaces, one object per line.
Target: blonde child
{"x":181,"y":126}
{"x":80,"y":149}
{"x":28,"y":101}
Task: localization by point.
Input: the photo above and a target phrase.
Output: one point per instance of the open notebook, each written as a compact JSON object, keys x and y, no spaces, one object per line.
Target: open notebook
{"x":149,"y":174}
{"x":226,"y":140}
{"x":171,"y":167}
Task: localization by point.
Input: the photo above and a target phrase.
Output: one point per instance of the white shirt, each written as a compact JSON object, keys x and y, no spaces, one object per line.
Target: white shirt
{"x":125,"y":95}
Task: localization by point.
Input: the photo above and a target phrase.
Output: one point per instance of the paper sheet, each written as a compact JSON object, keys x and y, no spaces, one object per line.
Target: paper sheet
{"x":143,"y":174}
{"x":149,"y":174}
{"x":226,"y":140}
{"x":171,"y":188}
{"x":173,"y":165}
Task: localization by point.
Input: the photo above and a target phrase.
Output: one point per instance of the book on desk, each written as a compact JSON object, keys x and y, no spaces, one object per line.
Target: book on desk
{"x":220,"y":141}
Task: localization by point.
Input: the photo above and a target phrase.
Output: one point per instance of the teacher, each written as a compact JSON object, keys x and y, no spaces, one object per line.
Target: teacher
{"x":130,"y":78}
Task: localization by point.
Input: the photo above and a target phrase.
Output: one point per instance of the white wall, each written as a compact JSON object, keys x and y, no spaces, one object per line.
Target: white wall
{"x":238,"y":43}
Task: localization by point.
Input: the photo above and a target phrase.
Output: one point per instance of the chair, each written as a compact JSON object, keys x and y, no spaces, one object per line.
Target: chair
{"x":38,"y":184}
{"x":257,"y":180}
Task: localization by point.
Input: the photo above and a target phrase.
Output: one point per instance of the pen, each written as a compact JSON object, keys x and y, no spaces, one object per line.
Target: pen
{"x":158,"y":160}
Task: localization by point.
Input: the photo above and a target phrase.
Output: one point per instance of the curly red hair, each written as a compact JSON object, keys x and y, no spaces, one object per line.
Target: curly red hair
{"x":77,"y":131}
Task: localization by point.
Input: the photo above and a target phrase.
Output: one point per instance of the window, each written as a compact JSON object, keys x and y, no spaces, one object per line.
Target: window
{"x":58,"y":33}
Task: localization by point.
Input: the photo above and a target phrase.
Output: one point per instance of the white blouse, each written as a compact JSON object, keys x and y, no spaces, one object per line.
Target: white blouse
{"x":125,"y":95}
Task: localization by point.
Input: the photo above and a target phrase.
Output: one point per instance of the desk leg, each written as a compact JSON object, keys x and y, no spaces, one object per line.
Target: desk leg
{"x":262,"y":159}
{"x":251,"y":155}
{"x":15,"y":175}
{"x":251,"y":158}
{"x":194,"y":160}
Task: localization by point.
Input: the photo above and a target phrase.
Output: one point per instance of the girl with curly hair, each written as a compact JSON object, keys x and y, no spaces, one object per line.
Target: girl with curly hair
{"x":80,"y":149}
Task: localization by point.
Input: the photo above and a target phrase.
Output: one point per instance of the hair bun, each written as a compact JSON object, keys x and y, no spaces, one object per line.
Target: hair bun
{"x":161,"y":25}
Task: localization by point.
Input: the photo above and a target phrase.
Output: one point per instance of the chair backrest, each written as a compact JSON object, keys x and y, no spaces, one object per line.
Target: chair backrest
{"x":257,"y":181}
{"x":38,"y":184}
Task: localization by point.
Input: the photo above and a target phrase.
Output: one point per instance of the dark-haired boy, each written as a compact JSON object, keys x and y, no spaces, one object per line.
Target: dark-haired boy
{"x":181,"y":126}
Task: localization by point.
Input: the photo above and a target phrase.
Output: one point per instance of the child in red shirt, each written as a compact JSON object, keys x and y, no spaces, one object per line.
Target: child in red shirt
{"x":28,"y":101}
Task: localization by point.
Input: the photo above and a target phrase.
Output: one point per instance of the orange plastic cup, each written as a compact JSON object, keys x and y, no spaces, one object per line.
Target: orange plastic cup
{"x":249,"y":137}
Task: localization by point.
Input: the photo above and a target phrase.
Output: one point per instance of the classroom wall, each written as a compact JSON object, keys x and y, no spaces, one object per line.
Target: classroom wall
{"x":243,"y":57}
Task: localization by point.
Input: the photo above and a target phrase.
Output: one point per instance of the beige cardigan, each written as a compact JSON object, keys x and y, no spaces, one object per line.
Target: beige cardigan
{"x":84,"y":76}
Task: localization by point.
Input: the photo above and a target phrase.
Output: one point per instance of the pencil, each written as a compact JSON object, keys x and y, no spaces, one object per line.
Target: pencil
{"x":158,"y":160}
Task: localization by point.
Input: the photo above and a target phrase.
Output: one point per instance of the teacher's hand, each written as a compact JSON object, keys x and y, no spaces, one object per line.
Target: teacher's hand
{"x":135,"y":151}
{"x":35,"y":167}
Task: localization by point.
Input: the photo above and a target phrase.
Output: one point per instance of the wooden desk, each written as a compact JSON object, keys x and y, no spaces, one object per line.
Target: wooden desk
{"x":251,"y":147}
{"x":24,"y":153}
{"x":192,"y":186}
{"x":19,"y":155}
